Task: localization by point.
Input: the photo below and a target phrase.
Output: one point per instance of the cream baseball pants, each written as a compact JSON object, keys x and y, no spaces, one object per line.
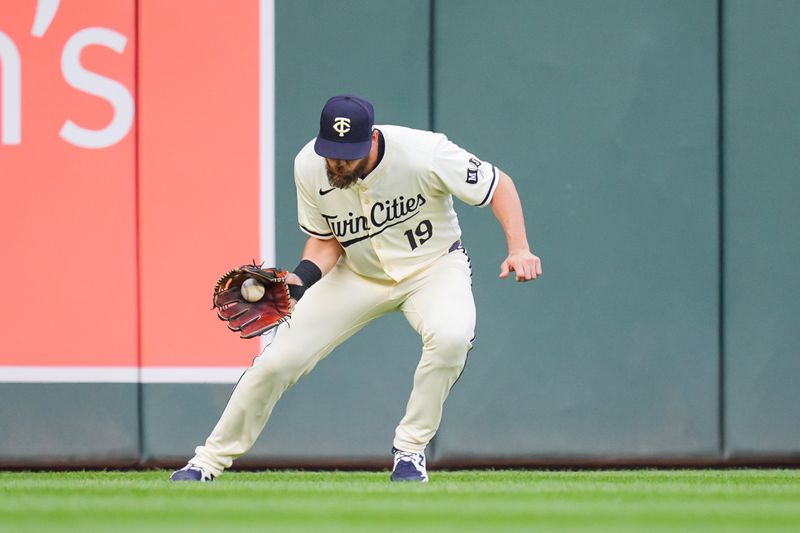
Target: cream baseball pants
{"x":436,"y":301}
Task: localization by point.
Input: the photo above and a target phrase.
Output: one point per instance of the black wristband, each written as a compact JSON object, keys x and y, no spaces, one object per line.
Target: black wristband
{"x":308,"y":272}
{"x":296,"y":292}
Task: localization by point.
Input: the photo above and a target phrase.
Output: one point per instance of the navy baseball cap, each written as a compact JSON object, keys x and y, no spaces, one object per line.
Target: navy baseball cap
{"x":345,"y":128}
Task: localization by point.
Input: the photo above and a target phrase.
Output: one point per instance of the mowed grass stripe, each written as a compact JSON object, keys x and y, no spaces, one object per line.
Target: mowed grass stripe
{"x":729,"y":500}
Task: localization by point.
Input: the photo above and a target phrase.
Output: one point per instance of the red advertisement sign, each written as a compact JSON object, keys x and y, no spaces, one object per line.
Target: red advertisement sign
{"x":126,"y":130}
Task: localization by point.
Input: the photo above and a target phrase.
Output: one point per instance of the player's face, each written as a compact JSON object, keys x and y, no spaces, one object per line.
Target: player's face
{"x":342,"y":173}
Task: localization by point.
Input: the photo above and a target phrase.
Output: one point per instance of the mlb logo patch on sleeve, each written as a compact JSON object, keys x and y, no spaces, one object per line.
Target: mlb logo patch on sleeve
{"x":472,"y":170}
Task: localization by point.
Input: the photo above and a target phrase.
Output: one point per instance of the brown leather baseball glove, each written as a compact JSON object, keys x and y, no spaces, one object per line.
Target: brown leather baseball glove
{"x":252,"y":318}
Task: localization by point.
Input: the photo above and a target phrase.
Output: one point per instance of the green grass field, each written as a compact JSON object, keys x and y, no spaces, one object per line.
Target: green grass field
{"x":456,"y":501}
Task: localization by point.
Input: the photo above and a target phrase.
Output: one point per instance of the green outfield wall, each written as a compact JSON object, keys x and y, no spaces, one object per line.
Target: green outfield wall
{"x":655,"y":145}
{"x":761,"y":195}
{"x":605,"y":113}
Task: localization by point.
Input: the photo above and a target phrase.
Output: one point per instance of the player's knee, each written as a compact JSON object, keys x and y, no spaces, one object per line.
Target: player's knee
{"x":281,"y":369}
{"x":451,"y":345}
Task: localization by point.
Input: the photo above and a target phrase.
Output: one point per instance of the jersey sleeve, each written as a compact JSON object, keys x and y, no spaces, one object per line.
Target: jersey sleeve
{"x":308,"y":215}
{"x":463,"y":175}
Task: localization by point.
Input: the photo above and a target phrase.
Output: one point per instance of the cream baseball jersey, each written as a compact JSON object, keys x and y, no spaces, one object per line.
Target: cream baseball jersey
{"x":400,"y":218}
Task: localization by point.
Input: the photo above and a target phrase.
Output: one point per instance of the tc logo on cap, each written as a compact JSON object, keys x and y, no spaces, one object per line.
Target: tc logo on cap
{"x":345,"y":128}
{"x":341,"y":125}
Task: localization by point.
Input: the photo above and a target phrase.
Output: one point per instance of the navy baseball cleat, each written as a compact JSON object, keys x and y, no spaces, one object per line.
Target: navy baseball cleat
{"x":191,"y":472}
{"x":409,"y":466}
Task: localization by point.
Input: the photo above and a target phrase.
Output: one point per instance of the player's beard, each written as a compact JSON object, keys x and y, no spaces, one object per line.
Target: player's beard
{"x":343,"y":181}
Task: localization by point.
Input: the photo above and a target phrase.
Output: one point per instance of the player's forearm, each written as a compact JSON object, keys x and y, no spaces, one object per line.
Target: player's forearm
{"x":323,"y":253}
{"x":507,"y":207}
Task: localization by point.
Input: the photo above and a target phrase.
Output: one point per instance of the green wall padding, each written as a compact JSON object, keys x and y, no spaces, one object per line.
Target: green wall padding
{"x":605,"y":114}
{"x":762,"y":227}
{"x":69,"y":424}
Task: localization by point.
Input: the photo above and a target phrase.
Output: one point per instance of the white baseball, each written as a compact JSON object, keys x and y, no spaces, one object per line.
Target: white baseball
{"x":252,"y":290}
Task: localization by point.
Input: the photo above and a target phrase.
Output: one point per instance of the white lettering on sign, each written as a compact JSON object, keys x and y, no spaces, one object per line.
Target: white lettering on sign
{"x":45,"y":13}
{"x":89,"y":82}
{"x":75,"y":75}
{"x":10,"y":92}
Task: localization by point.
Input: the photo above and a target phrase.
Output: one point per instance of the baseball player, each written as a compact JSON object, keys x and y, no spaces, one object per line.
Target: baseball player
{"x":377,"y":205}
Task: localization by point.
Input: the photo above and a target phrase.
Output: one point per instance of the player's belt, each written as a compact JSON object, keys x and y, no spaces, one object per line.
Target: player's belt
{"x":455,"y":246}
